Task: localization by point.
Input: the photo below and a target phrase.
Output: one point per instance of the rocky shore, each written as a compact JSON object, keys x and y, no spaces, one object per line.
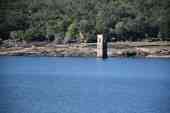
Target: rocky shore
{"x":116,"y":49}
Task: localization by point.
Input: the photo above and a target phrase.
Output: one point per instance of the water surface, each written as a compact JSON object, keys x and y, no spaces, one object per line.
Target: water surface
{"x":84,"y":85}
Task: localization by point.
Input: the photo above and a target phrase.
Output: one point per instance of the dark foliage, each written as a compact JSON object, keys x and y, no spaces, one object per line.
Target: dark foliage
{"x":81,"y":20}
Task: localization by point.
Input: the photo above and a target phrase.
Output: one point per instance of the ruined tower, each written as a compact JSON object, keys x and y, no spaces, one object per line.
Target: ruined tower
{"x":101,"y":46}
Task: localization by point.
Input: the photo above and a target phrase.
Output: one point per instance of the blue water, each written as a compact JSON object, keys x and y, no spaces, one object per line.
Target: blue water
{"x":84,"y":85}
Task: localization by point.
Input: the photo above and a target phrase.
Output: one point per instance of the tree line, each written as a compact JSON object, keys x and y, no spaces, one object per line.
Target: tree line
{"x":81,"y":20}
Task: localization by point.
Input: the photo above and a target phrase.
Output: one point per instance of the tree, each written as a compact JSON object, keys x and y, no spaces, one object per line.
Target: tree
{"x":72,"y":33}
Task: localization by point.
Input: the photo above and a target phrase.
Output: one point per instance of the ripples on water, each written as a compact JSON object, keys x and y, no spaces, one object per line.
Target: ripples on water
{"x":84,"y":85}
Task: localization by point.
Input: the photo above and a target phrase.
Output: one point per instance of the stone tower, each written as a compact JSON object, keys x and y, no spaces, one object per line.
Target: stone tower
{"x":101,"y":46}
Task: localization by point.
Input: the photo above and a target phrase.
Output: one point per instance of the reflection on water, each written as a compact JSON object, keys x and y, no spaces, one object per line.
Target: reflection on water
{"x":84,"y":85}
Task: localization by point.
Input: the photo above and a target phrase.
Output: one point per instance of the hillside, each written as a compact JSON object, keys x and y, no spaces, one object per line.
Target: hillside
{"x":68,"y":21}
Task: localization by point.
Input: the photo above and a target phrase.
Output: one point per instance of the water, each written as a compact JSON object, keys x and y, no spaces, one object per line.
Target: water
{"x":84,"y":85}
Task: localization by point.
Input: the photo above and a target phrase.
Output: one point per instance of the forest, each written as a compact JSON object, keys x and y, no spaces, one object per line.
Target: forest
{"x":67,"y":21}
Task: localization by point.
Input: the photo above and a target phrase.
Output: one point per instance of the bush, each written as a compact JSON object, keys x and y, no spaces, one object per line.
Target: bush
{"x":129,"y":53}
{"x":0,"y":41}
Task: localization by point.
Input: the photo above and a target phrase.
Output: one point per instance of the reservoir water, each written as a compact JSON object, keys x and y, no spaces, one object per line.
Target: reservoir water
{"x":84,"y":85}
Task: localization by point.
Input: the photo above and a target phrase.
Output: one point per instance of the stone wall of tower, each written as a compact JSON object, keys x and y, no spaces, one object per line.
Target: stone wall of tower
{"x":101,"y":46}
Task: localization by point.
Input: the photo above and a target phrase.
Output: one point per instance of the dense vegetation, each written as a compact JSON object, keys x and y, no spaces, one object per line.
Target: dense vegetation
{"x":80,"y":20}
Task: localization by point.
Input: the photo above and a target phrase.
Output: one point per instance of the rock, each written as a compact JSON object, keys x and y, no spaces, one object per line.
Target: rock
{"x":146,"y":50}
{"x":8,"y":43}
{"x":165,"y":52}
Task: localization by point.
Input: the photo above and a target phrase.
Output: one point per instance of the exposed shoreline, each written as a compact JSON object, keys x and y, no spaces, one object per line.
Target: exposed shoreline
{"x":116,"y":49}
